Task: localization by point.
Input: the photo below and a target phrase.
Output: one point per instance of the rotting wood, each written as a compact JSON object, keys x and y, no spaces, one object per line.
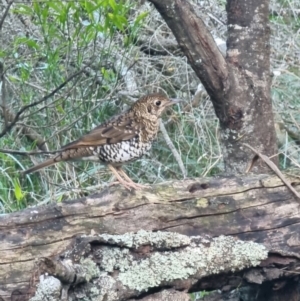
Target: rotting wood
{"x":253,"y":208}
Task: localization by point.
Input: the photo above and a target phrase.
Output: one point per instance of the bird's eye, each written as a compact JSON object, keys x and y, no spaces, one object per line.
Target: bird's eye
{"x":158,"y":103}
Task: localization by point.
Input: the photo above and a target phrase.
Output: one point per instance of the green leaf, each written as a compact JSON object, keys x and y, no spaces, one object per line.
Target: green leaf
{"x":23,"y":10}
{"x":29,"y":42}
{"x":118,"y":21}
{"x":60,"y":109}
{"x":140,"y":17}
{"x":36,"y":8}
{"x":18,"y":191}
{"x":60,"y":199}
{"x":99,"y":28}
{"x":112,"y":4}
{"x":89,"y":6}
{"x":56,"y":6}
{"x":2,"y":53}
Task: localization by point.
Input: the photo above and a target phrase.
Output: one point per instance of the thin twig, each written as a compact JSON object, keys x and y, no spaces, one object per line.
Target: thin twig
{"x":274,"y":168}
{"x":23,"y":109}
{"x":30,"y":133}
{"x":3,"y":95}
{"x":172,"y":148}
{"x":5,"y":13}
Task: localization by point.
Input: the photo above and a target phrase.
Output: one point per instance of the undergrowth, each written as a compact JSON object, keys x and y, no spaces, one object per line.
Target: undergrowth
{"x":119,"y":49}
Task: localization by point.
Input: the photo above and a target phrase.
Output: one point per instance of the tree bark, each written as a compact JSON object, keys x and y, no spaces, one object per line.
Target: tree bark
{"x":238,"y":85}
{"x":87,"y":243}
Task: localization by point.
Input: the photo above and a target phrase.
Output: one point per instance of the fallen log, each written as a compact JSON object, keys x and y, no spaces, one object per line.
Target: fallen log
{"x":196,"y":234}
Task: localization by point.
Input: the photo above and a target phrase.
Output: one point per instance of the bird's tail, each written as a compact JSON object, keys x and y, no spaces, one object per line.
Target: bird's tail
{"x":69,"y":154}
{"x":40,"y":166}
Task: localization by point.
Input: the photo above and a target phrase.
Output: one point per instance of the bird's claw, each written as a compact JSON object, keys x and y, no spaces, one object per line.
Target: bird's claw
{"x":131,"y":186}
{"x":124,"y":180}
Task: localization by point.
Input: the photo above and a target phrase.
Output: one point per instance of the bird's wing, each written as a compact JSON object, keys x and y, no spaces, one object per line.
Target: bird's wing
{"x":122,"y":128}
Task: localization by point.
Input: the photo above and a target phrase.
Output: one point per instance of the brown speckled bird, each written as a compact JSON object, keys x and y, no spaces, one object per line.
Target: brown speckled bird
{"x":123,"y":138}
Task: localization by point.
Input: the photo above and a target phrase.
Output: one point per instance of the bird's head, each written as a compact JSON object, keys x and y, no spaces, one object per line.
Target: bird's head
{"x":153,"y":104}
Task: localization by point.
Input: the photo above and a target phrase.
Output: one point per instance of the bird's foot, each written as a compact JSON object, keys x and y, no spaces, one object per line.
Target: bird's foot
{"x":138,"y":186}
{"x":133,"y":184}
{"x":130,"y":185}
{"x":124,"y":180}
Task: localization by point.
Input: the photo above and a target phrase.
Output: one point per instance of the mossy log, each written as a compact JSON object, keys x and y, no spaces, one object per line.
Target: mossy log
{"x":214,"y":233}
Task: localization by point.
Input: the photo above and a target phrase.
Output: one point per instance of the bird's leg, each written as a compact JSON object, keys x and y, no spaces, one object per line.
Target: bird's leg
{"x":126,"y":181}
{"x":119,"y":178}
{"x":135,"y":185}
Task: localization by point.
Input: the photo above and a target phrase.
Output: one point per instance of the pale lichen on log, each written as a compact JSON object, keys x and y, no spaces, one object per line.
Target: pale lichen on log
{"x":124,"y":266}
{"x":196,"y":258}
{"x":49,"y":288}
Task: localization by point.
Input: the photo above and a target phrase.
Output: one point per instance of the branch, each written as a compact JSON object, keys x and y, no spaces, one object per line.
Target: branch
{"x":5,"y":13}
{"x":172,"y":148}
{"x":3,"y":96}
{"x":197,"y":44}
{"x":273,"y":167}
{"x":31,"y":134}
{"x":23,"y":109}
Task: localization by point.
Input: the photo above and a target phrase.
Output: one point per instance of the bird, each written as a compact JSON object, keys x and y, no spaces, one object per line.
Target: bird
{"x":120,"y":140}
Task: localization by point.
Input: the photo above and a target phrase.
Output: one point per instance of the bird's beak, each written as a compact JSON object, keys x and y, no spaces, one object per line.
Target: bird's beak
{"x":173,"y":101}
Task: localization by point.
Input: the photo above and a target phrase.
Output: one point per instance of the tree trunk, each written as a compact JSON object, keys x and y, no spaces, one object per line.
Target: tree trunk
{"x":89,"y":246}
{"x":238,"y":85}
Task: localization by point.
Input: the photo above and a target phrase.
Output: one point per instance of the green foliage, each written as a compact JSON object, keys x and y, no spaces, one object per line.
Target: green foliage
{"x":106,"y":38}
{"x":285,"y":95}
{"x":11,"y":195}
{"x":67,"y":35}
